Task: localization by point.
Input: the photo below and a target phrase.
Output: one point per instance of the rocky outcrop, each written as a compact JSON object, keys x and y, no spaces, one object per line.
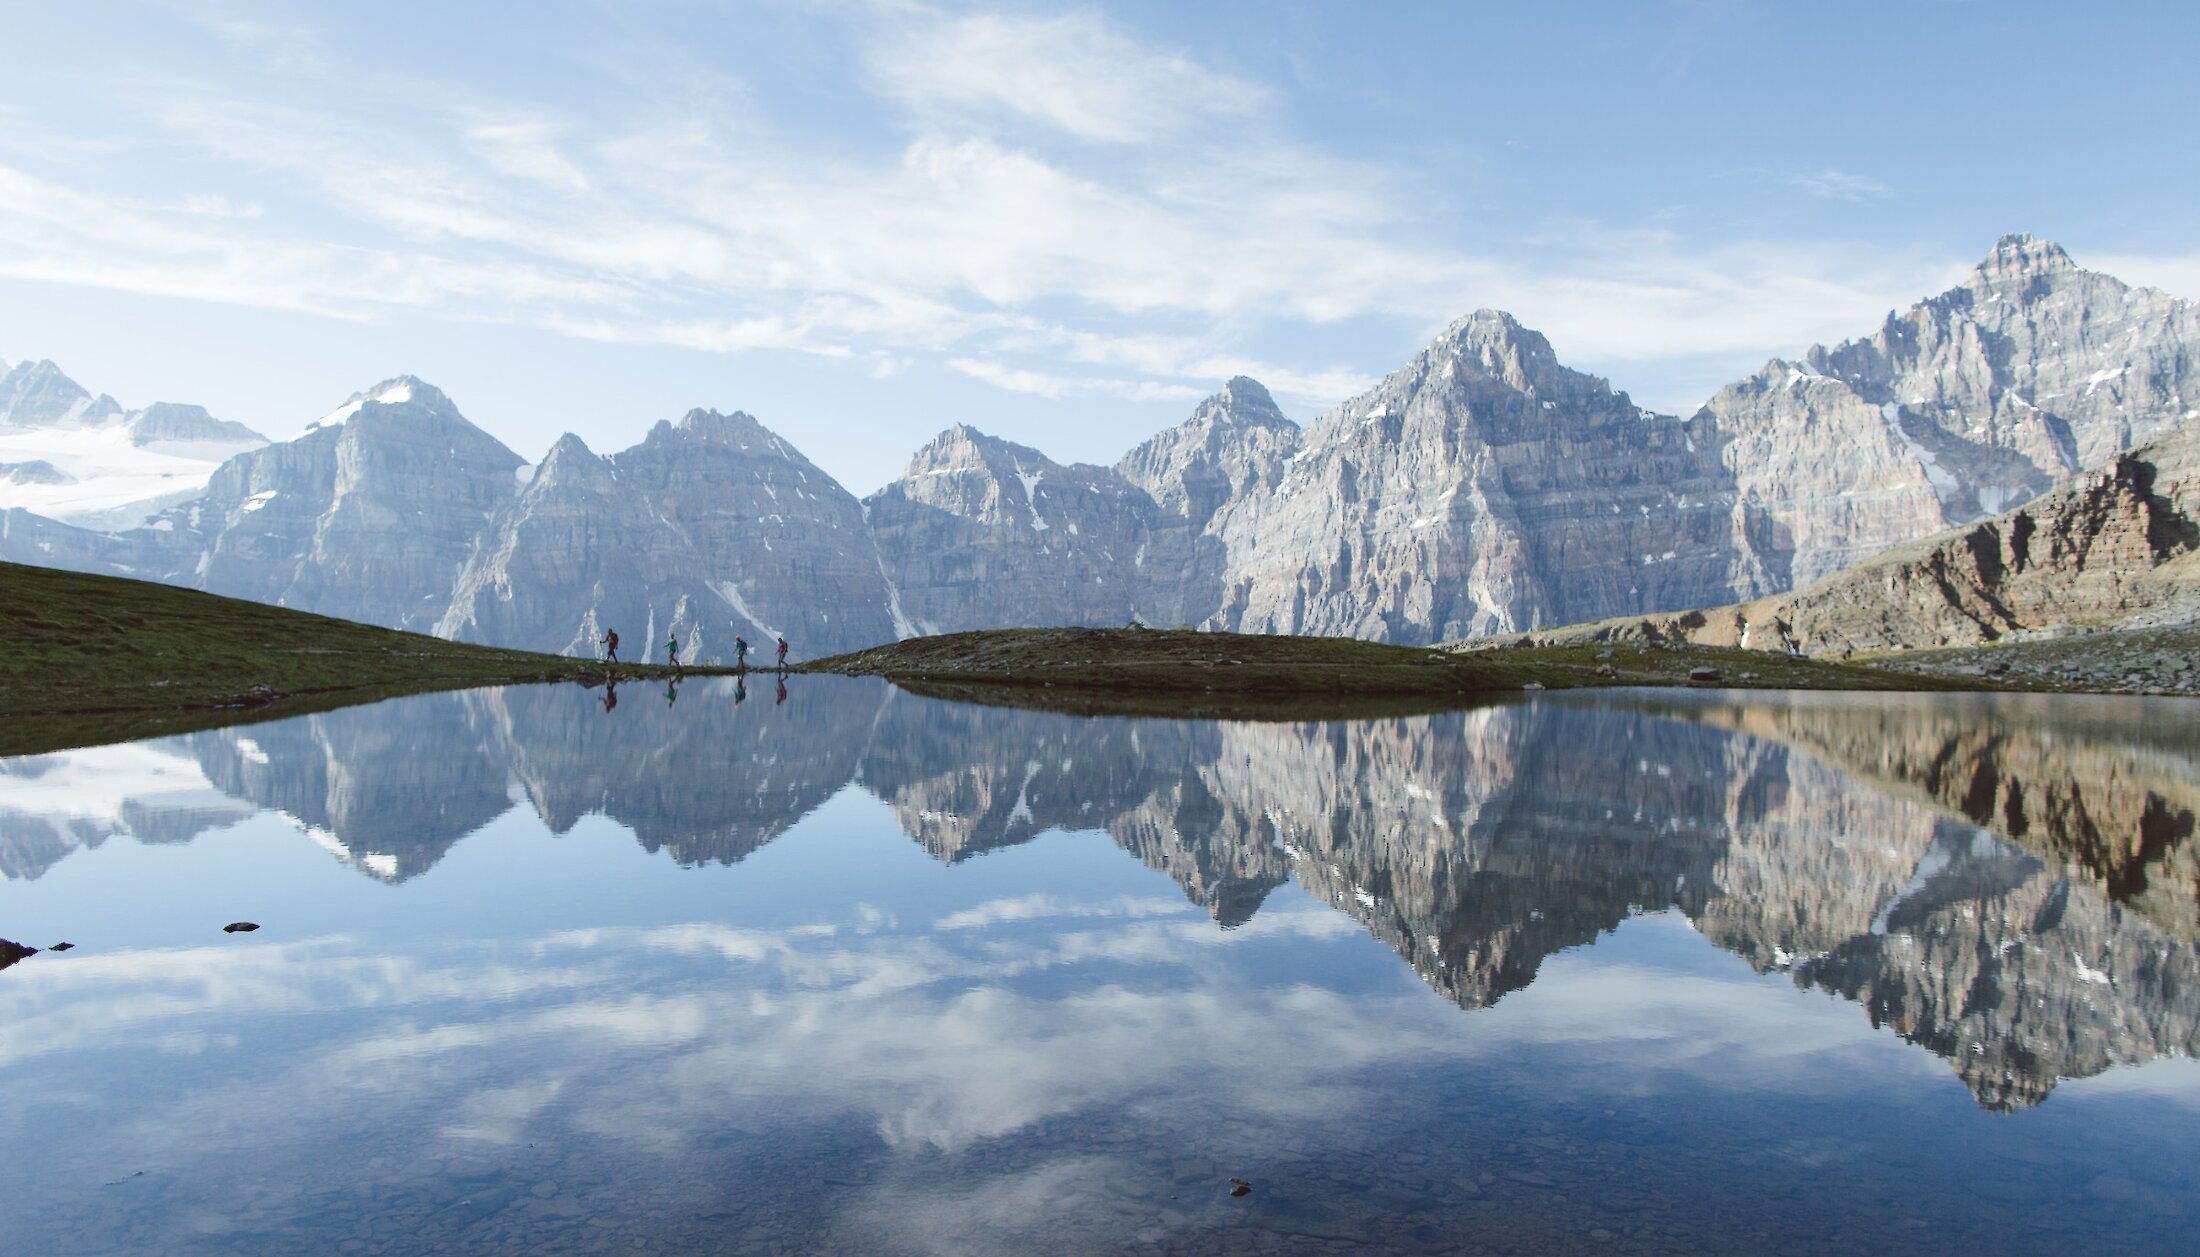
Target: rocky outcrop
{"x":2116,"y":546}
{"x":710,"y":528}
{"x":1971,"y":403}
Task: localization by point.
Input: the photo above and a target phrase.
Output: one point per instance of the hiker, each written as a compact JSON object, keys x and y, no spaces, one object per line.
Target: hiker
{"x":611,"y":645}
{"x":740,"y":651}
{"x":672,"y":650}
{"x":782,"y":653}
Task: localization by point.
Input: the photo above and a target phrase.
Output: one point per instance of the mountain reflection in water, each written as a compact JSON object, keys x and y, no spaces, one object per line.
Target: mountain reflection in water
{"x":2013,"y":885}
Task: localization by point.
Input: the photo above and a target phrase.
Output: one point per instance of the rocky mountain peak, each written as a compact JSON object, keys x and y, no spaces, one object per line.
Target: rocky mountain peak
{"x":2024,"y":255}
{"x":175,"y":421}
{"x":396,"y":391}
{"x":710,"y":425}
{"x":38,"y":395}
{"x":1495,"y":344}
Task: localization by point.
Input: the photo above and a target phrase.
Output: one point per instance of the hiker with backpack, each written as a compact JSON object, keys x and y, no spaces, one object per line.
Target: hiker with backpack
{"x":611,"y":645}
{"x":782,"y":652}
{"x":672,"y":650}
{"x":740,"y":651}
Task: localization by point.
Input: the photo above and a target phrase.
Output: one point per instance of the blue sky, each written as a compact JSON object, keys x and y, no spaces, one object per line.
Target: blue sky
{"x":864,"y":221}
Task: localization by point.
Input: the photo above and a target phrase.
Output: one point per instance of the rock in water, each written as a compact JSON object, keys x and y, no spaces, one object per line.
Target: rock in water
{"x":240,"y":927}
{"x":12,"y":951}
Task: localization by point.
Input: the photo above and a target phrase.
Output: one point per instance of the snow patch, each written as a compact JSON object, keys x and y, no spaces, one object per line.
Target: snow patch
{"x":395,"y":394}
{"x":1030,"y":482}
{"x":1945,"y":486}
{"x":731,"y":592}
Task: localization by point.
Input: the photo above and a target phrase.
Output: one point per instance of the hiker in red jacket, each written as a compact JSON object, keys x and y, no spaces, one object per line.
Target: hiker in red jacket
{"x":782,"y":653}
{"x":611,"y":645}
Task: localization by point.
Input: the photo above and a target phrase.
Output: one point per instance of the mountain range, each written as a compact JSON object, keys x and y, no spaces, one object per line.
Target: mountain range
{"x":1482,"y":488}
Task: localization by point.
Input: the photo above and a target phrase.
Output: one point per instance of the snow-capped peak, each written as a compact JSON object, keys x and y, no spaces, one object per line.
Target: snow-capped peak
{"x":387,"y":393}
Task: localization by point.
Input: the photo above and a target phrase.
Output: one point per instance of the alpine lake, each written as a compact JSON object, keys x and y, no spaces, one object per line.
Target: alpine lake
{"x":831,"y":968}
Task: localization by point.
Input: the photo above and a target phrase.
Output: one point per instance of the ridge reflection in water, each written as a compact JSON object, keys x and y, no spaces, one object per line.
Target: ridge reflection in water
{"x":852,"y":1041}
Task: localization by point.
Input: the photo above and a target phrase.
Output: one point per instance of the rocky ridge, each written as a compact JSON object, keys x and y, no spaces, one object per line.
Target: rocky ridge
{"x":2113,"y":553}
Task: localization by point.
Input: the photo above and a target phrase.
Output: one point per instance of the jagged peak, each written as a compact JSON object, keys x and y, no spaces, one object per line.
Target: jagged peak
{"x":960,"y":446}
{"x":395,"y":391}
{"x":1242,"y":400}
{"x":706,"y":422}
{"x":2022,"y":254}
{"x":183,"y":421}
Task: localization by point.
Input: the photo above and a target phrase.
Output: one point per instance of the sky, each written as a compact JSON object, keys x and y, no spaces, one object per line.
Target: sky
{"x":863,"y":221}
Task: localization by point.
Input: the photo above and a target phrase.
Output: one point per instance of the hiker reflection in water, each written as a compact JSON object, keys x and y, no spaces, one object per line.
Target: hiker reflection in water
{"x":610,"y":695}
{"x":782,"y":692}
{"x":740,"y":692}
{"x":672,"y":691}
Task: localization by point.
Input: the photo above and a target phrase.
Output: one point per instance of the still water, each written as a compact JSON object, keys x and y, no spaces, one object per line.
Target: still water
{"x":847,"y":970}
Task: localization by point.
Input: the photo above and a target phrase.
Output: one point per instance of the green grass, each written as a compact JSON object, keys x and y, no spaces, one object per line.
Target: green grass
{"x":1252,"y":676}
{"x":92,"y":659}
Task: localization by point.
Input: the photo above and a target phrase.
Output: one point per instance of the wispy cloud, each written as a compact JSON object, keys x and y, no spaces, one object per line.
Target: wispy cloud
{"x":1841,"y":186}
{"x":1047,"y":203}
{"x":1072,"y":72}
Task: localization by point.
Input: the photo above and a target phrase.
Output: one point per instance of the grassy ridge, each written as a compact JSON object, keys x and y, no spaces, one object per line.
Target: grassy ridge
{"x":1253,"y":676}
{"x":91,"y":659}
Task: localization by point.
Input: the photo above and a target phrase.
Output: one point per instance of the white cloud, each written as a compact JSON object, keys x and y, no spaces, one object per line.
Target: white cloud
{"x":2176,"y":274}
{"x":1037,"y":183}
{"x":1069,"y":71}
{"x":1841,"y":186}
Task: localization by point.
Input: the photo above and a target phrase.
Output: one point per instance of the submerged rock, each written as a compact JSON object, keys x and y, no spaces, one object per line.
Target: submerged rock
{"x":240,"y":927}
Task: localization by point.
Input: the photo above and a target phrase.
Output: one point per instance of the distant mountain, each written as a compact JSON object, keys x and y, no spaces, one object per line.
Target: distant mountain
{"x":1973,"y":402}
{"x":1482,"y":488}
{"x":84,"y":460}
{"x":2116,"y":547}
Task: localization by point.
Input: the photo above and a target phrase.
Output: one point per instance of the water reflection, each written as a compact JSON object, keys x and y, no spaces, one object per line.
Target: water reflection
{"x":2009,"y":883}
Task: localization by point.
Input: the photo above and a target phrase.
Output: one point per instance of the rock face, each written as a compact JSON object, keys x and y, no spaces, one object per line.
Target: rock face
{"x":1974,"y":401}
{"x":981,"y":531}
{"x":368,"y":514}
{"x":2113,"y":547}
{"x":709,"y":528}
{"x":37,"y":395}
{"x":1481,"y":488}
